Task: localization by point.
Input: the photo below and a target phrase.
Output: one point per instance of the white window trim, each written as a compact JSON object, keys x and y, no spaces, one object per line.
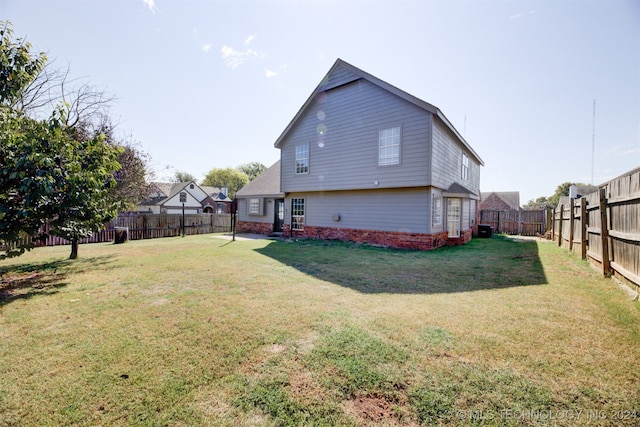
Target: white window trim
{"x":454,"y":217}
{"x":436,"y":210}
{"x":465,"y":167}
{"x":254,"y":206}
{"x":303,"y":168}
{"x":394,"y":159}
{"x":298,"y":225}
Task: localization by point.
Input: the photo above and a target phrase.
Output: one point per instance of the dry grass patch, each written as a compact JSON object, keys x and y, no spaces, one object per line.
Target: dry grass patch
{"x":203,"y":331}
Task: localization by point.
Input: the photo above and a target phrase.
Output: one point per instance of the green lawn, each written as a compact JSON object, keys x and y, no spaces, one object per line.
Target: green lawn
{"x":202,"y":331}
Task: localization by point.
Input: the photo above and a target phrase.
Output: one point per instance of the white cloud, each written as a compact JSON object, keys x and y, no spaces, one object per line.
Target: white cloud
{"x":234,"y":58}
{"x":268,"y":73}
{"x":520,"y":15}
{"x":206,"y":47}
{"x":622,"y":150}
{"x":151,"y":4}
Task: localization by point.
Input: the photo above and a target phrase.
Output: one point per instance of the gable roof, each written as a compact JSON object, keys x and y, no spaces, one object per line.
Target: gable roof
{"x":331,"y":81}
{"x":164,"y":187}
{"x":511,"y":198}
{"x":166,"y":192}
{"x":265,"y":184}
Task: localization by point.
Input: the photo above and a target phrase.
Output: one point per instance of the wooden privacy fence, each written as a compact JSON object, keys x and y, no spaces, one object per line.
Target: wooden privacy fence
{"x":169,"y":225}
{"x":526,"y":223}
{"x":147,"y":226}
{"x":604,"y":227}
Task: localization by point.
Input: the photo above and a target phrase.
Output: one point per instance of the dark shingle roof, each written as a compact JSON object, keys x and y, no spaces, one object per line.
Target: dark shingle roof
{"x":265,"y":184}
{"x":511,"y":198}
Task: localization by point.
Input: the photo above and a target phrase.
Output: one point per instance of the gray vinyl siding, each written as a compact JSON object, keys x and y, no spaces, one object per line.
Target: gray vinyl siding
{"x":447,"y":161}
{"x":339,"y":77}
{"x":404,"y":210}
{"x":268,"y":210}
{"x":345,"y":156}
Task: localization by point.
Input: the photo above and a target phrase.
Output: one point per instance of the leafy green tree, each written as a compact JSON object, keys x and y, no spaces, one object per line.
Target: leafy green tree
{"x":180,"y":176}
{"x":231,"y":178}
{"x":540,"y":203}
{"x":32,"y":86}
{"x":561,"y":190}
{"x":86,"y":202}
{"x":32,"y":177}
{"x":252,"y":170}
{"x":131,"y":185}
{"x":552,"y":201}
{"x":50,"y":172}
{"x":49,"y":177}
{"x":18,"y":68}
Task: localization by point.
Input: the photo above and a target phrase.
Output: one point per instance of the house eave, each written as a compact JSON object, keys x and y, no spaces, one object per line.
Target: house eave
{"x":460,"y":195}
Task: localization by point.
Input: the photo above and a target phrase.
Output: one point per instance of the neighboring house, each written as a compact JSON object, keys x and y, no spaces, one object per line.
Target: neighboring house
{"x":261,"y":204}
{"x":168,"y":198}
{"x":500,"y":200}
{"x":577,"y":192}
{"x":365,"y":161}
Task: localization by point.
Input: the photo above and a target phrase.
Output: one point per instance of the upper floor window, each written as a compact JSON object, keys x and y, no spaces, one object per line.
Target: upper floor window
{"x":389,"y":146}
{"x":465,"y":167}
{"x":302,"y":159}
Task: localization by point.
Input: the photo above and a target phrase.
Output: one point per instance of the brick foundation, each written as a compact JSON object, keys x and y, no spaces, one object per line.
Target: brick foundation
{"x":254,"y":227}
{"x":390,"y":239}
{"x":465,"y":237}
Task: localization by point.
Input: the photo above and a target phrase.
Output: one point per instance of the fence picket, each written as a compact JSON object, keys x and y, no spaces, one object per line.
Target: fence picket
{"x":607,"y":228}
{"x":143,"y":226}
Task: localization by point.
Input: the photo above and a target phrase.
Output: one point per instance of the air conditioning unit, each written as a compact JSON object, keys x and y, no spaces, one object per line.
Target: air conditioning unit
{"x":485,"y":230}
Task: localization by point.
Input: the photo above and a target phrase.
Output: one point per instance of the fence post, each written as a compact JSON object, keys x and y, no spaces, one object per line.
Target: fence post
{"x":560,"y":221}
{"x":584,"y":223}
{"x":604,"y":233}
{"x":572,"y":206}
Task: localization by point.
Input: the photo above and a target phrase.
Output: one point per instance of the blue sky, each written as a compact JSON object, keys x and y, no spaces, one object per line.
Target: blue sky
{"x":208,"y":84}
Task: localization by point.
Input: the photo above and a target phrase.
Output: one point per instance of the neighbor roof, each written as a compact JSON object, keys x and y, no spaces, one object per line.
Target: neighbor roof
{"x":326,"y":83}
{"x":511,"y":198}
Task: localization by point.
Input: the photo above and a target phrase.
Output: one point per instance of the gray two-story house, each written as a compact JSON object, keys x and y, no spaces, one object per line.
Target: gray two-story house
{"x":365,"y":161}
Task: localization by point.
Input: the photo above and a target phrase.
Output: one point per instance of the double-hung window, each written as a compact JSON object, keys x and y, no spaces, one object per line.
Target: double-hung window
{"x":465,"y":167}
{"x":436,"y":210}
{"x":254,"y":207}
{"x":454,"y":216}
{"x":302,"y":159}
{"x":389,"y":146}
{"x":297,"y":213}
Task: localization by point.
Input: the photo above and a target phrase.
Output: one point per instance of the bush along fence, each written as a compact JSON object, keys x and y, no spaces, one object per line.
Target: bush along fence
{"x":146,"y":226}
{"x":523,"y":222}
{"x":604,"y":227}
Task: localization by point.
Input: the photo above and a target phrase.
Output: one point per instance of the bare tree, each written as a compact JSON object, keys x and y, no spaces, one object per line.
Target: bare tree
{"x":86,"y":115}
{"x":85,"y":104}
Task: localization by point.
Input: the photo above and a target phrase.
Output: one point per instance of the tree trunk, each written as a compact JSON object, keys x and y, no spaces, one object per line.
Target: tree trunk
{"x":74,"y":248}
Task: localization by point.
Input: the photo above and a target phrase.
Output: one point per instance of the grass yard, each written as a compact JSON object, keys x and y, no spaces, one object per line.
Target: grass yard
{"x":202,"y":331}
